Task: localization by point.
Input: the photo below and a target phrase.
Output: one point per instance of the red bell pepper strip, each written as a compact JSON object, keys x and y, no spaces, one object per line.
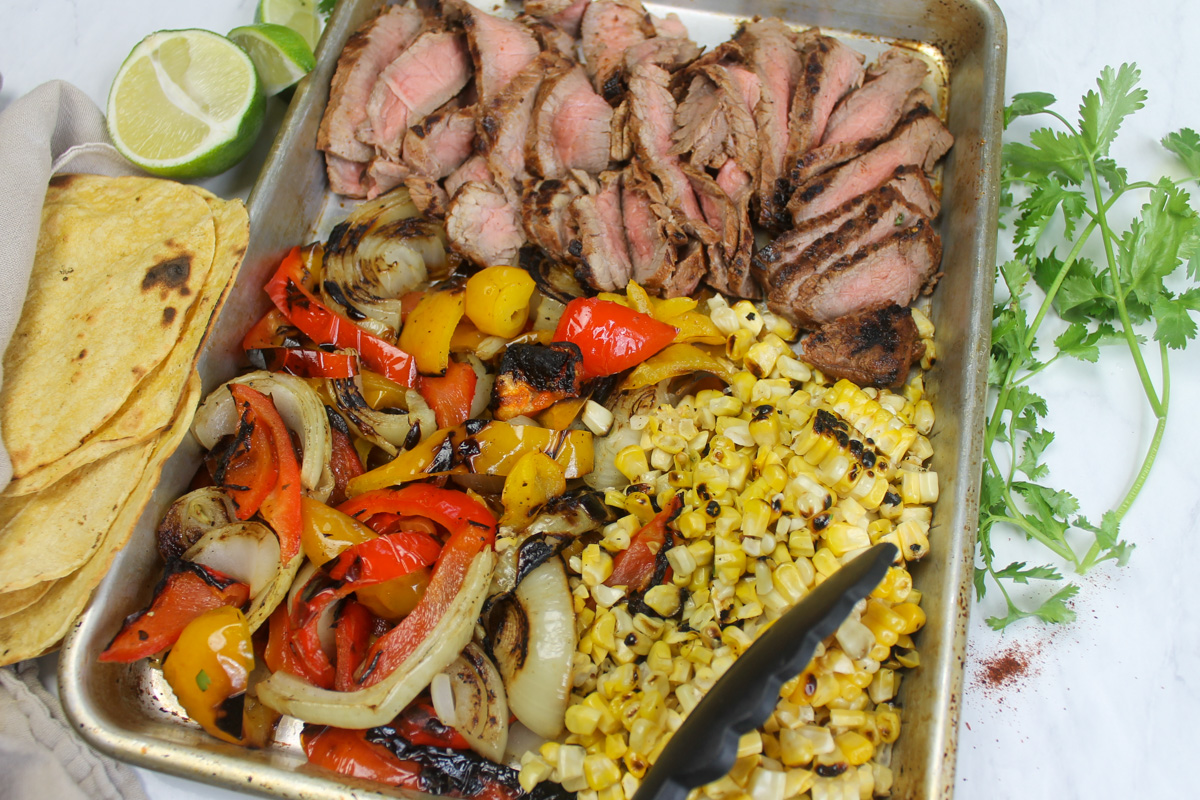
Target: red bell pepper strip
{"x":384,"y":558}
{"x":281,"y":508}
{"x":323,"y":326}
{"x":348,"y":752}
{"x":305,"y":363}
{"x":246,"y":469}
{"x":186,"y":591}
{"x":420,"y":725}
{"x":353,"y":637}
{"x":394,"y":523}
{"x":611,"y":337}
{"x":472,"y":528}
{"x":634,"y":566}
{"x":344,"y":462}
{"x":273,"y":330}
{"x":451,"y":395}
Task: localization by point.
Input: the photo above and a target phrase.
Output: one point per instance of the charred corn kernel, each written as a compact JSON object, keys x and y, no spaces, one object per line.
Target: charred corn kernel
{"x":764,"y":429}
{"x":606,"y":596}
{"x":756,"y":515}
{"x":702,"y":552}
{"x":887,"y":724}
{"x":631,"y":462}
{"x":614,"y":745}
{"x":760,"y":358}
{"x":614,"y":792}
{"x":726,"y":319}
{"x":920,"y":451}
{"x":533,"y":772}
{"x":855,"y":638}
{"x":914,"y":544}
{"x":913,"y":615}
{"x":597,"y":565}
{"x":582,"y":719}
{"x":738,"y":344}
{"x":798,"y":782}
{"x":787,"y":580}
{"x":820,"y":738}
{"x":600,"y":771}
{"x":664,"y":599}
{"x":748,"y":316}
{"x":691,"y":524}
{"x":781,"y":328}
{"x":570,"y":762}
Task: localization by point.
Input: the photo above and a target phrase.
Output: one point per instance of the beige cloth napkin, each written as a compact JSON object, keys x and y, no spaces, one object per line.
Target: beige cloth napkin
{"x":54,"y":128}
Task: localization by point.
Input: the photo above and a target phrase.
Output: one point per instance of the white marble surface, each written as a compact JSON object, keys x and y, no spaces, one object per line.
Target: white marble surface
{"x":1106,"y":706}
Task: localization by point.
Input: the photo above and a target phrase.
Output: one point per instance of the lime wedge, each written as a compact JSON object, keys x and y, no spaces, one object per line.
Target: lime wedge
{"x":280,"y":55}
{"x":185,"y":104}
{"x":299,"y":15}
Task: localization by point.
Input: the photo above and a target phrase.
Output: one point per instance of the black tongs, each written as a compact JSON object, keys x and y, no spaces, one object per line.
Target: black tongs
{"x":705,"y":746}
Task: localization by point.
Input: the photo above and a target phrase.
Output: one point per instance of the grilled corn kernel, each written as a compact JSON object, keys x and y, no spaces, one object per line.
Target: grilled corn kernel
{"x":582,"y":719}
{"x":691,"y":524}
{"x":631,"y":462}
{"x":842,"y":538}
{"x":887,"y":724}
{"x":600,"y":771}
{"x":749,"y":744}
{"x":664,"y":599}
{"x":533,"y":772}
{"x":597,"y":565}
{"x":914,"y":544}
{"x":913,"y":615}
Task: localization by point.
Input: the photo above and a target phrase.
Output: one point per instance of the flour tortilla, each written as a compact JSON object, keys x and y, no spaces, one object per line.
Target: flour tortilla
{"x":119,"y":264}
{"x":39,"y":628}
{"x":153,"y":402}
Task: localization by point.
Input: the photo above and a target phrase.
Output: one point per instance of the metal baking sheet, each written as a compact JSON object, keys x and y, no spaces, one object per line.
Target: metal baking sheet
{"x":127,"y":712}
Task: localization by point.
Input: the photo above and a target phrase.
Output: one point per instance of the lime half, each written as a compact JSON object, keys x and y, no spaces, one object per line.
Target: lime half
{"x":185,"y":104}
{"x":299,"y":15}
{"x":280,"y":55}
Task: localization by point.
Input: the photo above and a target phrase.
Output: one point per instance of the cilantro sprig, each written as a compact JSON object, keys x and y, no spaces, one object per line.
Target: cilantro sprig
{"x":1057,"y":202}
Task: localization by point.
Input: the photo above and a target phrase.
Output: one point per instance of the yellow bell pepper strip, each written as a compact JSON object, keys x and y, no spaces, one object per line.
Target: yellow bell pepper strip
{"x":281,"y":508}
{"x":323,"y":326}
{"x":326,"y":532}
{"x":677,"y":359}
{"x":380,"y":392}
{"x":482,"y":448}
{"x":430,"y":326}
{"x":209,"y":668}
{"x":559,"y":416}
{"x":186,"y":591}
{"x":611,"y":337}
{"x":498,"y":300}
{"x":472,"y":528}
{"x":535,"y":480}
{"x":695,"y":327}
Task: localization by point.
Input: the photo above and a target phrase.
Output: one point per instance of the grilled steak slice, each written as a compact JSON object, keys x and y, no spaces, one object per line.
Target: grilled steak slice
{"x":534,"y":377}
{"x":564,"y":14}
{"x":482,"y":225}
{"x":728,"y":258}
{"x":430,"y":72}
{"x":371,"y":48}
{"x":770,"y":51}
{"x":440,"y":143}
{"x":920,"y":139}
{"x":500,"y":47}
{"x":503,"y":123}
{"x":911,"y":182}
{"x":866,"y":115}
{"x":669,"y":52}
{"x":571,"y":126}
{"x":550,"y":37}
{"x":894,"y":270}
{"x":545,"y":216}
{"x":651,"y":127}
{"x":384,"y":175}
{"x":829,"y":69}
{"x":474,"y":168}
{"x":715,"y":121}
{"x":600,"y":242}
{"x":346,"y":177}
{"x":875,"y":347}
{"x":428,"y":196}
{"x":664,"y":259}
{"x":884,"y":213}
{"x":609,"y":28}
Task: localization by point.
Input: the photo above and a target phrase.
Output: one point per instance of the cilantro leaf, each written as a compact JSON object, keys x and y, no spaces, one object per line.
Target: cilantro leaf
{"x":1149,"y":251}
{"x":1037,"y":212}
{"x":1017,"y":572}
{"x":1031,"y":454}
{"x":1053,"y":154}
{"x":1076,"y":342}
{"x":1027,"y":104}
{"x":326,"y":6}
{"x":1173,"y":325}
{"x":203,"y":681}
{"x":1100,"y":115}
{"x":980,"y":580}
{"x":1055,"y":610}
{"x":1184,"y":143}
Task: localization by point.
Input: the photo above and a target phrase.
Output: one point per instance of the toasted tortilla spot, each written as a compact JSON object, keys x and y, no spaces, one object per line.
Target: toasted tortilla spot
{"x":168,"y":315}
{"x":172,"y":274}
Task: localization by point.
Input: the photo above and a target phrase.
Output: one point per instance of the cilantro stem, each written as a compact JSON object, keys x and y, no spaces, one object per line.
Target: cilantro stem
{"x":1017,"y":519}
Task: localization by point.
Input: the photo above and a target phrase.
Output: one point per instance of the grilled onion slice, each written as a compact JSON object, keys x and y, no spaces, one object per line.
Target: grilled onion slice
{"x":248,"y":552}
{"x":388,"y":429}
{"x":192,"y":516}
{"x":480,"y":707}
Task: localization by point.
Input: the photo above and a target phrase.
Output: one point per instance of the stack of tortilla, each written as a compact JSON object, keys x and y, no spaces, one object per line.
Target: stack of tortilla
{"x":100,"y":382}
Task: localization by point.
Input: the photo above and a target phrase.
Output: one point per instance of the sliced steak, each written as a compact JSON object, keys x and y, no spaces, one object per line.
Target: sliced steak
{"x":883,"y":213}
{"x":440,"y":143}
{"x":428,"y":196}
{"x":430,"y":72}
{"x":545,"y":216}
{"x":474,"y":168}
{"x":346,"y":177}
{"x":876,"y":347}
{"x":829,"y":69}
{"x":715,"y":120}
{"x":550,"y":37}
{"x":652,"y":128}
{"x":911,"y":182}
{"x":669,"y":52}
{"x":384,"y":175}
{"x":664,"y":259}
{"x":371,"y":48}
{"x":500,"y":47}
{"x":728,"y":258}
{"x":482,"y":225}
{"x":564,"y":14}
{"x":919,"y":140}
{"x":571,"y":126}
{"x":503,"y":123}
{"x":894,"y":270}
{"x":608,"y":29}
{"x":770,"y":51}
{"x":600,"y":245}
{"x":866,"y":115}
